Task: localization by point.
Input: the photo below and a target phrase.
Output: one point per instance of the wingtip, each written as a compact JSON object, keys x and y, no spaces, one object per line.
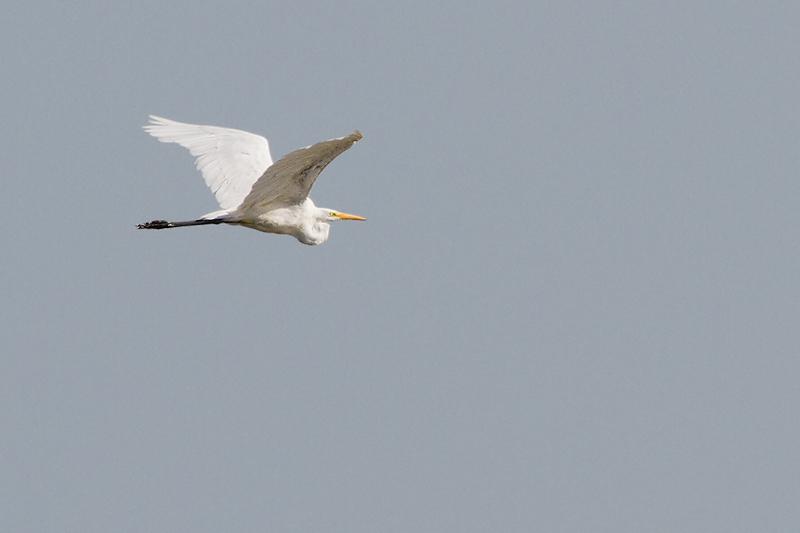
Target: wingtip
{"x":152,"y":120}
{"x":155,"y":120}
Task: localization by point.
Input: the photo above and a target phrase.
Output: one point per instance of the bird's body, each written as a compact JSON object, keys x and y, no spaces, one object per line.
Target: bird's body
{"x":251,"y":190}
{"x":298,"y":221}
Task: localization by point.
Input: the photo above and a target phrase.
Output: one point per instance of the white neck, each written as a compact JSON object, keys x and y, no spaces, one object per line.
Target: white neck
{"x":315,"y":233}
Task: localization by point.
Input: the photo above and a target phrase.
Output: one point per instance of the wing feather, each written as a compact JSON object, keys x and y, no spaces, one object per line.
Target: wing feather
{"x":230,"y":160}
{"x":289,"y":180}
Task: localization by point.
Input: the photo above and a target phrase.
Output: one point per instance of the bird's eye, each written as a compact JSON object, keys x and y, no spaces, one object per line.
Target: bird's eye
{"x":333,"y":213}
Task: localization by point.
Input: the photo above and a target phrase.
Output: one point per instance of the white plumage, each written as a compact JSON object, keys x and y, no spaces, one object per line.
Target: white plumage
{"x":252,"y":190}
{"x":230,"y":160}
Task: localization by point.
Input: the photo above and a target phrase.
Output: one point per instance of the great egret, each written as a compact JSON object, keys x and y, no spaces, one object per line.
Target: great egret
{"x":252,"y":190}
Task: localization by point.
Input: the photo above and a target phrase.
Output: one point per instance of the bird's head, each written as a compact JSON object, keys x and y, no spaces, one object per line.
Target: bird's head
{"x":329,"y":215}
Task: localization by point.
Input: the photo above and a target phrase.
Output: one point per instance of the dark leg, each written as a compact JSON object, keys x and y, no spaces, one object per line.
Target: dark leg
{"x":163,"y":224}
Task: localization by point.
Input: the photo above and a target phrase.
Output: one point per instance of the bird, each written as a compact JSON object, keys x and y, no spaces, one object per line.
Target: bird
{"x":251,"y":190}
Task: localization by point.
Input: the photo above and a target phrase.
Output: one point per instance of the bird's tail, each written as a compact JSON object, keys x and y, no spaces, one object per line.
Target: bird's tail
{"x":163,"y":224}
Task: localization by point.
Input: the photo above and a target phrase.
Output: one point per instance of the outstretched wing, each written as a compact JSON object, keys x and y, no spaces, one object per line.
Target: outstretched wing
{"x":289,"y":180}
{"x":230,"y":160}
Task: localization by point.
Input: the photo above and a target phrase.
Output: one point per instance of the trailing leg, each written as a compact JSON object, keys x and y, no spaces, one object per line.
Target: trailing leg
{"x":163,"y":224}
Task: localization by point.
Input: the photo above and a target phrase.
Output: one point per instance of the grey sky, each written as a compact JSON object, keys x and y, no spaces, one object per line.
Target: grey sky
{"x":573,"y":308}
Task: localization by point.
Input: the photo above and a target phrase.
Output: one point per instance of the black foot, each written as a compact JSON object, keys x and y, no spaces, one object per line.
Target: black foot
{"x":154,"y":224}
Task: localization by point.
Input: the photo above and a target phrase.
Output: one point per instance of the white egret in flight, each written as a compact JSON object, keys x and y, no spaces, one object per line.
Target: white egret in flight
{"x":252,"y":190}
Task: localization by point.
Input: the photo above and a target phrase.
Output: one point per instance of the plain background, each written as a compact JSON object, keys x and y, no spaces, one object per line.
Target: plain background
{"x":574,"y":306}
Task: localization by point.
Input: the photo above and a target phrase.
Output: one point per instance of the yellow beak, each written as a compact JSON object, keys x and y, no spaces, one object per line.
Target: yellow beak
{"x":348,"y":216}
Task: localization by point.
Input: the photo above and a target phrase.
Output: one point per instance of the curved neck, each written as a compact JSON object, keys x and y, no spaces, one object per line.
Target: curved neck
{"x":316,"y":232}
